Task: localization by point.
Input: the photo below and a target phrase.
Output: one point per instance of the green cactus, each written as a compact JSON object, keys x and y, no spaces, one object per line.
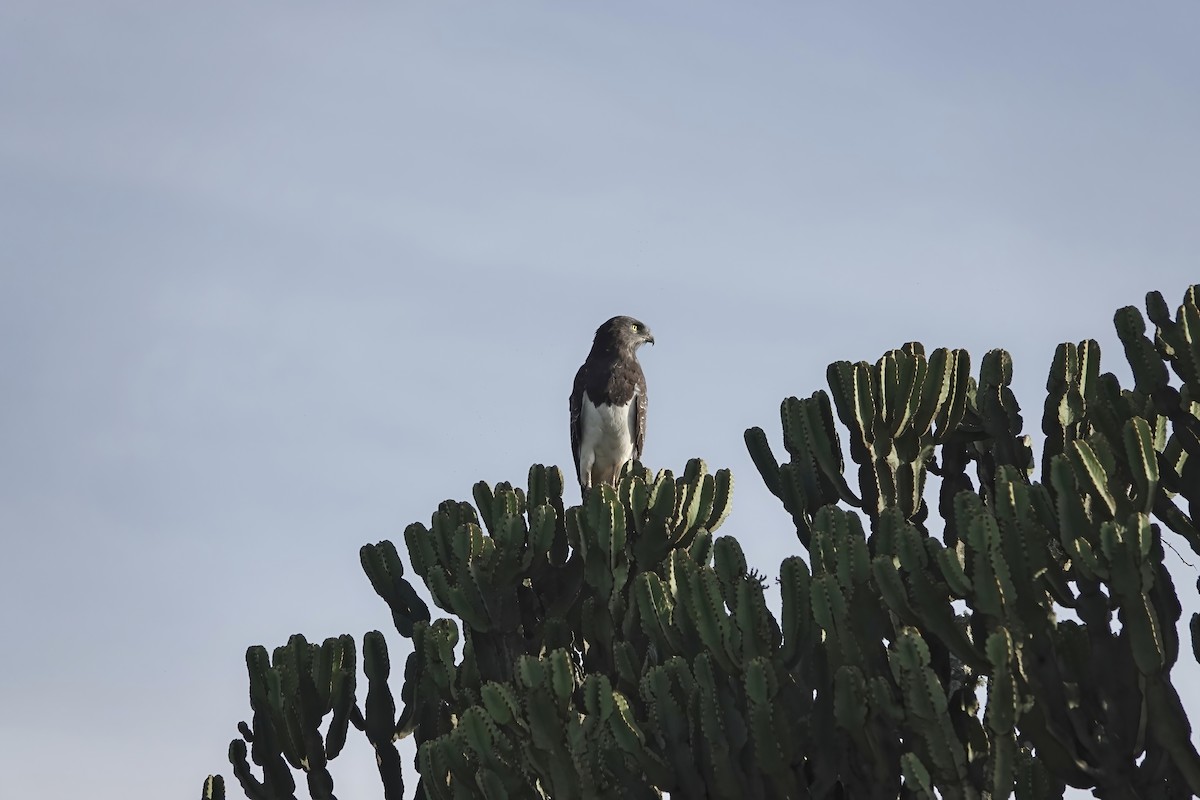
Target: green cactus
{"x":621,"y":649}
{"x":214,"y":788}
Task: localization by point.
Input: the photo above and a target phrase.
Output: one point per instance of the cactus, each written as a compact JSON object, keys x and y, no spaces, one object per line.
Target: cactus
{"x":622,"y":649}
{"x":214,"y":788}
{"x":291,"y":694}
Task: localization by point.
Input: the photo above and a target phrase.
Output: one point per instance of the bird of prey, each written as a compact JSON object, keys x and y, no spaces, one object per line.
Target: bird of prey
{"x":608,"y":403}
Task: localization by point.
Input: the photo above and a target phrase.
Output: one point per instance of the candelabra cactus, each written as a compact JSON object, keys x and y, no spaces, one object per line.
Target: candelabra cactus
{"x":619,"y":649}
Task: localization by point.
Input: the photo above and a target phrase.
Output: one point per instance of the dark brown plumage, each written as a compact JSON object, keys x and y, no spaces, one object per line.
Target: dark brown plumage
{"x":608,"y":403}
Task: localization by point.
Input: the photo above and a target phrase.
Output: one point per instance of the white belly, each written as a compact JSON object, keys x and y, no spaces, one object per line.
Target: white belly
{"x":607,"y":441}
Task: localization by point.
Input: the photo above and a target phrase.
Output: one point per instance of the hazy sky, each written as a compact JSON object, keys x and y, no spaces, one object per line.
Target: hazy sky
{"x":278,"y":277}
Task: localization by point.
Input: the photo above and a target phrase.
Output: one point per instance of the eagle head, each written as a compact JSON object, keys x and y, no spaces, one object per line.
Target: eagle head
{"x":622,"y":335}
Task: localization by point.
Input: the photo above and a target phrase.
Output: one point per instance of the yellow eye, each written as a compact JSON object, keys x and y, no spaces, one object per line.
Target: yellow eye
{"x":636,"y":327}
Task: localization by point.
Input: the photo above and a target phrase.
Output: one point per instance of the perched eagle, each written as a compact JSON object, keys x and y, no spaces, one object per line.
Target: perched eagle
{"x":608,"y":403}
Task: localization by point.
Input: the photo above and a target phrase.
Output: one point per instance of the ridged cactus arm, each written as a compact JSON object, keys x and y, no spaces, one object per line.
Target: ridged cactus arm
{"x":438,"y":583}
{"x":1070,"y":386}
{"x":251,"y":785}
{"x":760,"y":634}
{"x":926,"y":705}
{"x":719,"y":728}
{"x":549,"y":753}
{"x":412,"y":695}
{"x":950,"y":414}
{"x":722,"y":500}
{"x":698,"y":597}
{"x":421,"y":552}
{"x":342,"y":673}
{"x":885,"y":570}
{"x":796,"y":497}
{"x":795,"y":591}
{"x":448,"y":767}
{"x":1093,"y":464}
{"x":695,"y":494}
{"x":324,"y":662}
{"x":663,"y":500}
{"x":845,"y":552}
{"x":917,"y":597}
{"x":385,"y":570}
{"x":850,"y":705}
{"x":467,"y":544}
{"x":1074,"y":523}
{"x":380,"y":716}
{"x":1165,"y":600}
{"x":478,"y":734}
{"x":916,"y":777}
{"x":543,"y":524}
{"x":1142,"y":460}
{"x":951,"y":567}
{"x":823,"y":433}
{"x":1174,"y":518}
{"x":545,"y":487}
{"x":482,"y":493}
{"x":995,"y":593}
{"x":1000,"y":414}
{"x":613,"y":543}
{"x":435,"y":773}
{"x":273,"y":739}
{"x":909,"y":487}
{"x":293,"y":663}
{"x":811,"y":436}
{"x":1158,"y":311}
{"x":935,"y":391}
{"x":444,"y":524}
{"x":586,"y":761}
{"x":1149,"y":371}
{"x":654,"y":507}
{"x":700,"y":549}
{"x":601,"y":539}
{"x":1127,"y":548}
{"x":831,"y":611}
{"x":654,"y":605}
{"x":503,"y":560}
{"x":669,"y":724}
{"x":655,"y":769}
{"x":1177,"y":340}
{"x":1002,"y":713}
{"x":902,"y":372}
{"x":769,"y":728}
{"x":1033,"y":780}
{"x":1171,"y":730}
{"x":634,"y":494}
{"x":436,"y":649}
{"x":853,"y":389}
{"x":560,"y":678}
{"x":214,"y":788}
{"x":730,"y":564}
{"x":1023,"y":545}
{"x":625,"y":727}
{"x":897,"y":376}
{"x":764,"y":460}
{"x":1186,"y":345}
{"x":466,"y":584}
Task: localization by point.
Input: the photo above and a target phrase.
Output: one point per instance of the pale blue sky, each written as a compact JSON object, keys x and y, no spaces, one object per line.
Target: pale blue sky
{"x":278,"y":277}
